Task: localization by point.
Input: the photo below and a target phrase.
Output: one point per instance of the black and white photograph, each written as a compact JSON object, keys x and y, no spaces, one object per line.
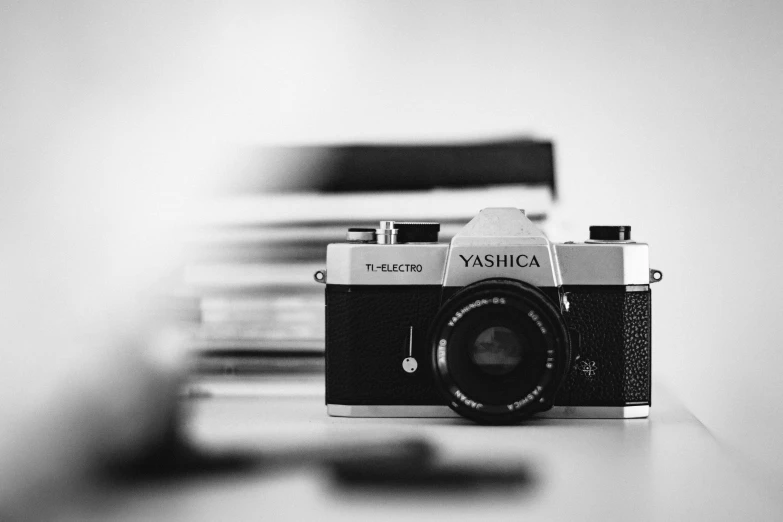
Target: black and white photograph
{"x":391,"y":260}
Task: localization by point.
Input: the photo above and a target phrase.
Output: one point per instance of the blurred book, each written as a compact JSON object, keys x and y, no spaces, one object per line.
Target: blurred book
{"x":252,"y":257}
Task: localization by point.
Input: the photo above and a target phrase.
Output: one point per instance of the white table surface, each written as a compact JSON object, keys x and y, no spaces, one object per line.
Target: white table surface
{"x":667,"y":467}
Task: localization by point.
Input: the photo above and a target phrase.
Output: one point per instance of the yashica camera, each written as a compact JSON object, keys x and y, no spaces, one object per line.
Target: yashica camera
{"x":496,"y":326}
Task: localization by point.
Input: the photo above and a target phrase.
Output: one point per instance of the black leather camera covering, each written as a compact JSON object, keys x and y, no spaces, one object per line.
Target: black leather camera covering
{"x":611,"y":361}
{"x":367,"y":336}
{"x":367,"y":332}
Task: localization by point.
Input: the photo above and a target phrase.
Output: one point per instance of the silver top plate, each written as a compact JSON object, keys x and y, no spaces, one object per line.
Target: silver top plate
{"x":498,"y":243}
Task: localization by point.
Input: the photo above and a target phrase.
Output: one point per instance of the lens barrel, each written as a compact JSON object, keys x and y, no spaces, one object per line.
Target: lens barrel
{"x":500,"y":349}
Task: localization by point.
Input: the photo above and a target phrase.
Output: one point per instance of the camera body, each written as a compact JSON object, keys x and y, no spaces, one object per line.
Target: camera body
{"x":496,"y":326}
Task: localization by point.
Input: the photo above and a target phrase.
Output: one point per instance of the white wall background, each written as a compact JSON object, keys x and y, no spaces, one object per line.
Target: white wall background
{"x":666,"y":115}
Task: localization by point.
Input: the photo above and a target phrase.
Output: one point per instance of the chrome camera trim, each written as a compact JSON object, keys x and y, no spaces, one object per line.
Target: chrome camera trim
{"x":637,"y":411}
{"x":498,"y":243}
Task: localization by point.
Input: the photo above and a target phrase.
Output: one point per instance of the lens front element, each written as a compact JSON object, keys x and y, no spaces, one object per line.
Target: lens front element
{"x":499,"y":351}
{"x":496,"y":350}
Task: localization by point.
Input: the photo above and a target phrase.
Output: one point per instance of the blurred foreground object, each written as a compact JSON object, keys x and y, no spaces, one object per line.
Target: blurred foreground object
{"x":252,"y":257}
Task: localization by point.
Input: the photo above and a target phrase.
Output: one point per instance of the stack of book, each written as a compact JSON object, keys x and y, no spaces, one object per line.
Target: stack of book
{"x":252,"y":258}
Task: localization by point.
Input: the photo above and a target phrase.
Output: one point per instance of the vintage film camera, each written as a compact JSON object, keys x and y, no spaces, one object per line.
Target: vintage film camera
{"x":496,"y":326}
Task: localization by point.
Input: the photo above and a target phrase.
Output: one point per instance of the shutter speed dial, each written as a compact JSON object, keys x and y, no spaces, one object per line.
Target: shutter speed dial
{"x":418,"y":232}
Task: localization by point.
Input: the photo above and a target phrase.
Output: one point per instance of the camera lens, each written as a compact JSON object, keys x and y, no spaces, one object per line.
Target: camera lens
{"x":499,"y":351}
{"x":496,"y":350}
